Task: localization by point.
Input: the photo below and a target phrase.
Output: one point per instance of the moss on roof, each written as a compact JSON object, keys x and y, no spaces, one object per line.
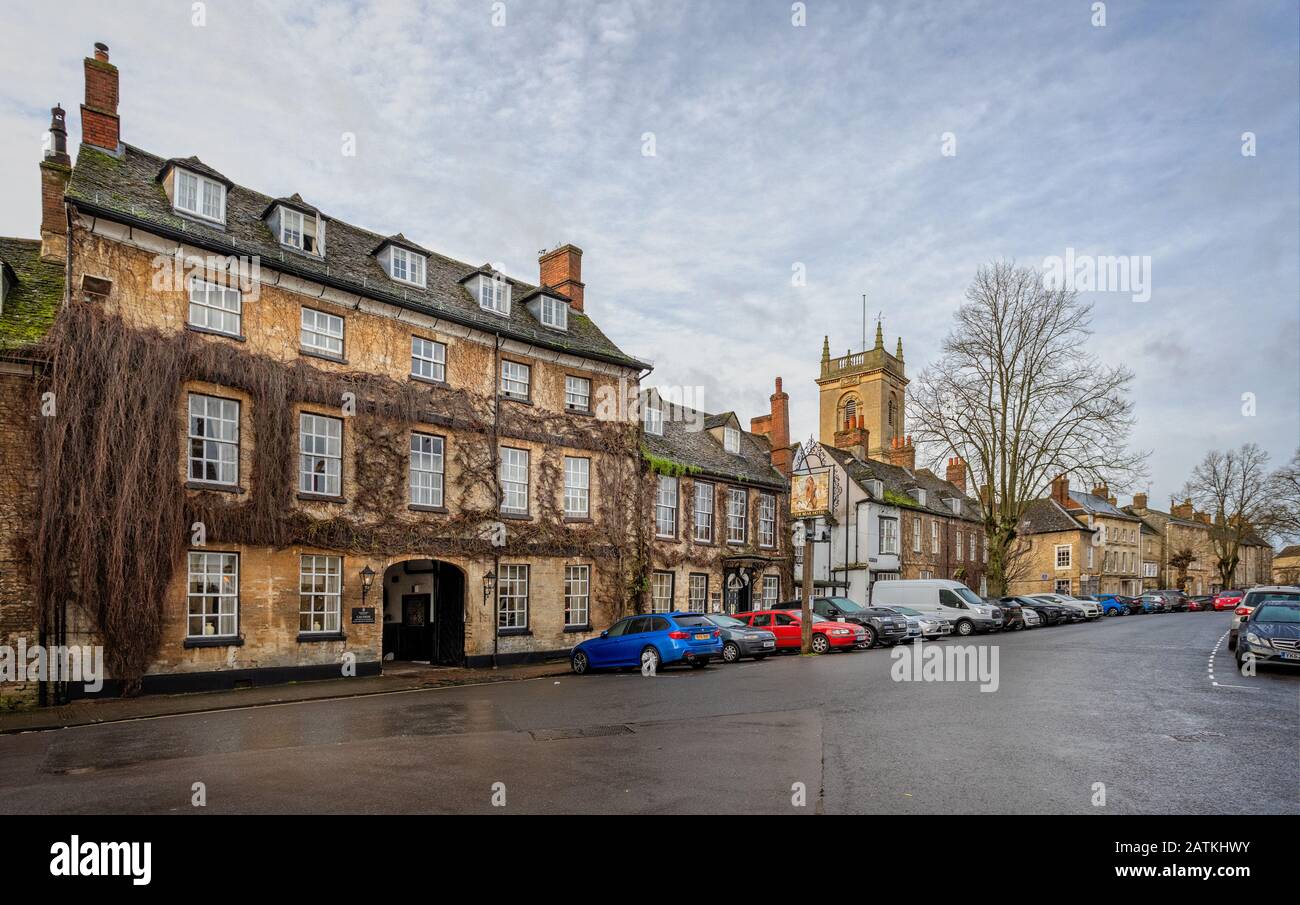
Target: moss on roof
{"x":33,"y":299}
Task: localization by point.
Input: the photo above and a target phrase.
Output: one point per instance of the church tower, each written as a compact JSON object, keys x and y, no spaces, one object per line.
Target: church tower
{"x":862,"y":397}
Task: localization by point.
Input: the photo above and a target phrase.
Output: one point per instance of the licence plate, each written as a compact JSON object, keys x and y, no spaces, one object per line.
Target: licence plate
{"x":1291,"y":655}
{"x":769,"y":644}
{"x":701,"y":637}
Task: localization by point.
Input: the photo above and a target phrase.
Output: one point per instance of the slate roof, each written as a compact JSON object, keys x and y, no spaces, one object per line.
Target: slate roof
{"x":128,"y":190}
{"x":33,"y":299}
{"x":1100,"y":506}
{"x":898,"y":483}
{"x":698,"y":449}
{"x":1293,"y":550}
{"x":1046,"y":516}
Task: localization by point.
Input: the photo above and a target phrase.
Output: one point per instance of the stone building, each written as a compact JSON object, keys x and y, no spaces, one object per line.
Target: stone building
{"x":289,"y":447}
{"x":1184,"y":554}
{"x":889,"y":519}
{"x":718,"y":534}
{"x":1286,"y":565}
{"x":1055,"y":552}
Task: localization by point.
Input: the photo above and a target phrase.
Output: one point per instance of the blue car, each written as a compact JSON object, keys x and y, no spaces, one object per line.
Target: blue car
{"x":661,"y":639}
{"x":1113,"y":604}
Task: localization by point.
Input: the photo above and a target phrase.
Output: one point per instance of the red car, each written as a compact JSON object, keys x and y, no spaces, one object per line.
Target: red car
{"x":1227,"y":600}
{"x":785,"y":624}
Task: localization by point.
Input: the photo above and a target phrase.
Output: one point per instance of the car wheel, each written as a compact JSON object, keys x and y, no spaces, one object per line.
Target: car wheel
{"x":820,"y":643}
{"x":870,"y":640}
{"x":730,"y":652}
{"x":651,"y":656}
{"x":1232,"y":642}
{"x":964,"y":627}
{"x":580,"y":663}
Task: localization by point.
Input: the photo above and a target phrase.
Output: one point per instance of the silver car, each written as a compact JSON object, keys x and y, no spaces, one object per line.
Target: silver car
{"x":1087,"y":609}
{"x":923,"y":625}
{"x":1032,"y":619}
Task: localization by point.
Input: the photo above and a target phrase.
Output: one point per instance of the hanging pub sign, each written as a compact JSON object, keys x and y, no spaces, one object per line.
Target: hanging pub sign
{"x":810,"y":494}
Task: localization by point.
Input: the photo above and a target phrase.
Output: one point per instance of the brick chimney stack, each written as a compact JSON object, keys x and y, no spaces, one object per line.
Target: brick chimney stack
{"x":1061,"y":489}
{"x":902,"y":454}
{"x":56,"y":170}
{"x":100,"y":124}
{"x":853,"y":437}
{"x":1139,"y":501}
{"x":1183,"y":510}
{"x":776,"y":428}
{"x":562,"y":271}
{"x":956,"y":474}
{"x":1102,"y":491}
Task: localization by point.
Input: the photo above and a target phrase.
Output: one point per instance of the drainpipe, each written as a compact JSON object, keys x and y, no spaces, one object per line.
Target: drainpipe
{"x":496,"y":484}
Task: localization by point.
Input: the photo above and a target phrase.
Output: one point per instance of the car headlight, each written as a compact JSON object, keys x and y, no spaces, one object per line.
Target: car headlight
{"x":841,"y":631}
{"x":1253,"y":638}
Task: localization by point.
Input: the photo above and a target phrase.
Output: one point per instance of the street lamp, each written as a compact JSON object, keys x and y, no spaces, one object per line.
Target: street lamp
{"x":489,"y":582}
{"x":367,"y":580}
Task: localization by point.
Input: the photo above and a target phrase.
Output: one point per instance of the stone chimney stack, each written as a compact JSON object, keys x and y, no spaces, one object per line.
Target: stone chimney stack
{"x":562,"y":271}
{"x":1061,"y":489}
{"x":1139,"y":501}
{"x":1102,"y":491}
{"x":100,"y":124}
{"x":56,"y":170}
{"x":956,"y":474}
{"x":902,"y":453}
{"x":1183,"y":510}
{"x":776,"y":427}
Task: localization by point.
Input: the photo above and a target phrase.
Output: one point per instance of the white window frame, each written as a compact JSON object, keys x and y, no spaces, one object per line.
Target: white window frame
{"x":1091,"y":557}
{"x":916,"y":534}
{"x":320,"y":594}
{"x":577,"y":596}
{"x":697,"y":592}
{"x":555,"y":313}
{"x":577,"y":393}
{"x":662,"y":590}
{"x":1069,"y":555}
{"x":412,"y":266}
{"x":218,"y":432}
{"x":577,"y":487}
{"x":666,"y":504}
{"x":201,"y":186}
{"x":1062,"y":586}
{"x":653,"y":418}
{"x":215,"y":589}
{"x":934,"y":536}
{"x":428,"y":359}
{"x":512,"y":596}
{"x":428,"y":463}
{"x":514,"y":480}
{"x":213,"y":307}
{"x":516,"y":374}
{"x":771,"y":591}
{"x":731,"y":440}
{"x":494,"y":295}
{"x":970,"y":543}
{"x":320,"y":455}
{"x":289,"y":215}
{"x":705,"y":492}
{"x":888,"y":535}
{"x":766,"y":520}
{"x":737,"y":515}
{"x":959,"y":547}
{"x":317,"y":332}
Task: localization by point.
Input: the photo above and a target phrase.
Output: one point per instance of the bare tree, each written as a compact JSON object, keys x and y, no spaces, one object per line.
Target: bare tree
{"x":1284,"y":518}
{"x":1237,"y":489}
{"x":1018,"y":395}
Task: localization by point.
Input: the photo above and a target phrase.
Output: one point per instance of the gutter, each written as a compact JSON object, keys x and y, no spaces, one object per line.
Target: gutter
{"x":205,"y":242}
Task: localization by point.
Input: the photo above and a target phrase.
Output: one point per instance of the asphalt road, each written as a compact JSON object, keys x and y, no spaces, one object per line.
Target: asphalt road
{"x":1128,"y":702}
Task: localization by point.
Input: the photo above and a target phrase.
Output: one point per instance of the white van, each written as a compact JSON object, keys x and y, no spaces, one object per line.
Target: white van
{"x":950,"y":599}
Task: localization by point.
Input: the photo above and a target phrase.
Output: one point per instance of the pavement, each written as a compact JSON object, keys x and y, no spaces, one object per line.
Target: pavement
{"x":1126,"y":707}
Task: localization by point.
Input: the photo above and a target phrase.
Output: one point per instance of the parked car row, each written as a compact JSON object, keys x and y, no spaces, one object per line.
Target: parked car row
{"x":1266,"y":626}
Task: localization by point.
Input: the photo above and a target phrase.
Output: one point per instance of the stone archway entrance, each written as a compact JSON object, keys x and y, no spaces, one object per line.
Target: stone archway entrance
{"x":424,"y":612}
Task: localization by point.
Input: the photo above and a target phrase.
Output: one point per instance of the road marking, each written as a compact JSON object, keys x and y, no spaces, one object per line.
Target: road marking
{"x":1210,"y":667}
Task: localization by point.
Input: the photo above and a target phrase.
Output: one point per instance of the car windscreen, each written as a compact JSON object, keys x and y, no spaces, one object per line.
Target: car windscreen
{"x":844,"y":604}
{"x":907,"y":611}
{"x":969,"y":596}
{"x":725,"y":621}
{"x":1277,"y":612}
{"x":692,"y":621}
{"x":1259,"y":598}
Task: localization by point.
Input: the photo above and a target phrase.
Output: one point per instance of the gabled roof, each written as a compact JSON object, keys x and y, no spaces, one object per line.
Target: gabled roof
{"x":1046,"y":516}
{"x":898,"y":484}
{"x":194,"y":165}
{"x":34,"y":297}
{"x":126,"y":190}
{"x":401,"y":242}
{"x":295,"y":202}
{"x":699,"y":451}
{"x":1287,"y":552}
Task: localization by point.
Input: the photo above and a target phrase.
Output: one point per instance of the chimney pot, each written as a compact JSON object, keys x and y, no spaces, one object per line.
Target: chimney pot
{"x":101,"y":51}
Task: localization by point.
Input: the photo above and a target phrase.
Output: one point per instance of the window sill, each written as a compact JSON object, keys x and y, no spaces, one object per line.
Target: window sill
{"x":517,"y":516}
{"x":320,"y":498}
{"x":208,"y":331}
{"x":578,"y":520}
{"x":324,"y":356}
{"x":214,"y":488}
{"x":521,"y":400}
{"x":214,"y":641}
{"x":442,"y":384}
{"x":586,"y":413}
{"x":514,"y":632}
{"x":575,"y":629}
{"x":437,"y":510}
{"x":312,"y":637}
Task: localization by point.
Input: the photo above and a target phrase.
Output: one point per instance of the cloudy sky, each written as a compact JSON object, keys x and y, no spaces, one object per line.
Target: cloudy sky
{"x":774,"y":146}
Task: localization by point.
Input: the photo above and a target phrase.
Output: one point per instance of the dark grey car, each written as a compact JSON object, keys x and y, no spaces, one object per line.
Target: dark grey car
{"x":739,"y":640}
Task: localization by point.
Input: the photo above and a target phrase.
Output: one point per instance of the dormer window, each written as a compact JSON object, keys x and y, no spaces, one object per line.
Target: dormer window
{"x":654,"y":415}
{"x":555,"y":313}
{"x":291,"y":228}
{"x":406,"y":266}
{"x":494,"y":295}
{"x":200,"y":196}
{"x":731,"y":440}
{"x":297,"y":225}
